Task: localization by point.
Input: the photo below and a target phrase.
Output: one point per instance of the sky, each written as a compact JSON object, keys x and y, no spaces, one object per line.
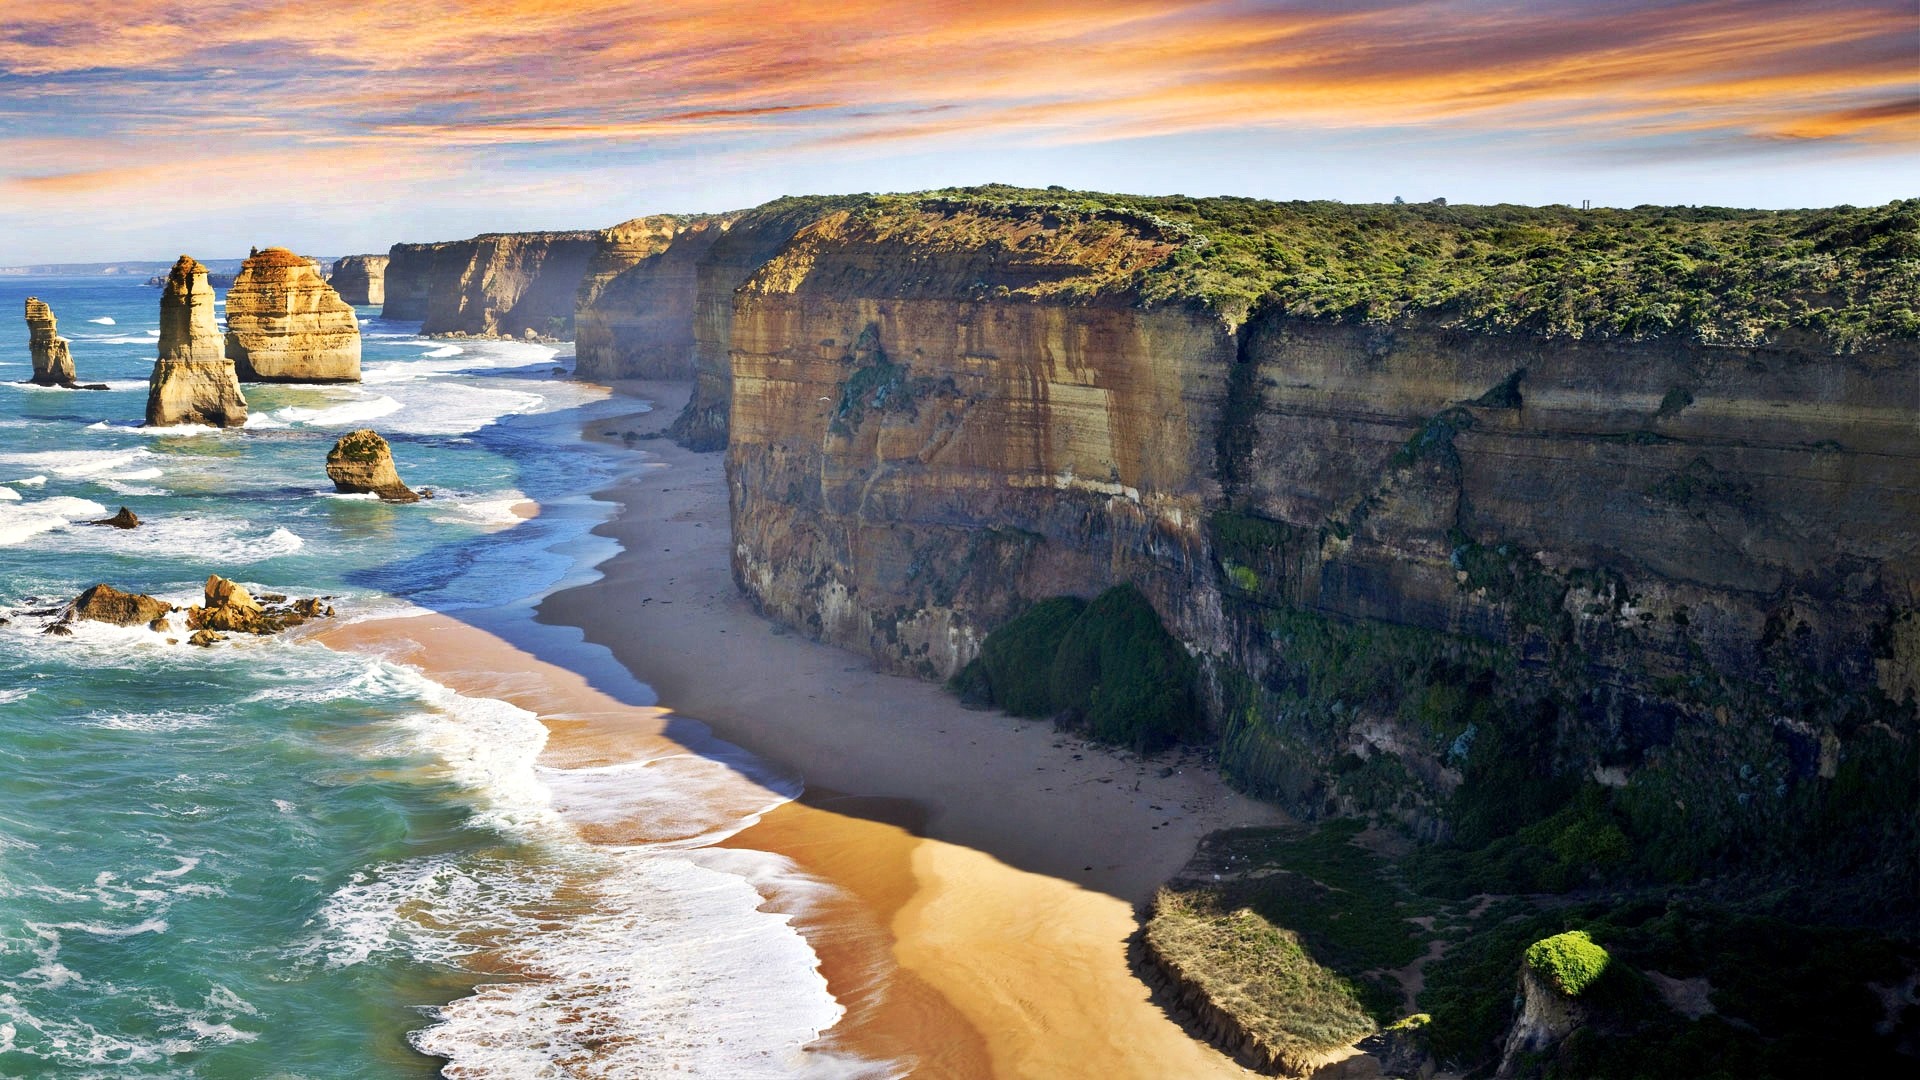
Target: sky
{"x":140,"y":129}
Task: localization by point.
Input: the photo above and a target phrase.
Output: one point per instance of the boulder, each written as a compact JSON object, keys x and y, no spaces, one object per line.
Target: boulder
{"x":193,"y":382}
{"x":229,"y":606}
{"x":125,"y":519}
{"x":361,"y":462}
{"x":205,"y":638}
{"x":52,"y":363}
{"x":104,"y":603}
{"x":286,"y":324}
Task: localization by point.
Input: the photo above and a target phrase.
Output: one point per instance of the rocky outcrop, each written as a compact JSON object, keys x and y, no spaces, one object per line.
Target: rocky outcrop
{"x":193,"y":382}
{"x":360,"y":279}
{"x":286,"y":324}
{"x":1547,"y":1016}
{"x":360,"y":462}
{"x":104,"y":603}
{"x":230,"y":607}
{"x":499,"y":284}
{"x":52,"y":363}
{"x":635,"y":314}
{"x":751,"y":238}
{"x":125,"y":519}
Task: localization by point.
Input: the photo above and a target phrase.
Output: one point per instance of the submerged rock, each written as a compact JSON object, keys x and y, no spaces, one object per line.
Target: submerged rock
{"x":229,"y":606}
{"x":193,"y":382}
{"x":286,"y":324}
{"x":125,"y":519}
{"x":362,"y":462}
{"x":104,"y":603}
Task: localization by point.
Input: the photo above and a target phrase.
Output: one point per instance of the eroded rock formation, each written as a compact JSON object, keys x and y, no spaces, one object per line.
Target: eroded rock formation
{"x":361,"y":461}
{"x":104,"y":603}
{"x":634,"y":318}
{"x":286,"y":324}
{"x":230,"y":607}
{"x":499,"y":284}
{"x":193,"y":382}
{"x":52,"y":362}
{"x":360,"y":279}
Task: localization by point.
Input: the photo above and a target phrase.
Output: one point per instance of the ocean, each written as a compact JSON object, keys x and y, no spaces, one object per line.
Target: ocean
{"x":270,"y":858}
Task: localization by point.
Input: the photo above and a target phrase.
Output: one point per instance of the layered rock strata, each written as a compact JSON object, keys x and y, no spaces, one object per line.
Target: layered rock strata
{"x":635,"y":314}
{"x":193,"y":382}
{"x":1670,"y":556}
{"x":52,"y":362}
{"x":360,"y":279}
{"x":499,"y":284}
{"x":361,"y":463}
{"x":286,"y":324}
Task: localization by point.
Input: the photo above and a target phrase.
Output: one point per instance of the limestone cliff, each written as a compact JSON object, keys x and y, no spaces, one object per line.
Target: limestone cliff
{"x":286,"y":324}
{"x":1428,"y":561}
{"x":52,"y":363}
{"x":499,"y":284}
{"x":360,"y":279}
{"x":752,"y":237}
{"x":634,"y":317}
{"x":193,"y":382}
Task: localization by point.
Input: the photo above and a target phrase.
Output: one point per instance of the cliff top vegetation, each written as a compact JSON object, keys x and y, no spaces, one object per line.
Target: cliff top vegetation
{"x":1846,"y":275}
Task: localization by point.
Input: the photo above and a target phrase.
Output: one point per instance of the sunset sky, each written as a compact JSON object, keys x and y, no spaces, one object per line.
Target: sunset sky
{"x":141,"y":129}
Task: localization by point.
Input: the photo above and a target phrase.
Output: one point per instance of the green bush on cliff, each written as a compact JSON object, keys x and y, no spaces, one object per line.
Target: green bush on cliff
{"x":1109,"y":665}
{"x":1570,"y":961}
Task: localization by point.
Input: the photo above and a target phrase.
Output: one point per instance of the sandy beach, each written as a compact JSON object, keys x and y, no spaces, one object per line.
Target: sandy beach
{"x":986,"y":870}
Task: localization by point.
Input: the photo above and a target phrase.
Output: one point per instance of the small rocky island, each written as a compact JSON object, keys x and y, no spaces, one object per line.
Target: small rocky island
{"x":362,"y":463}
{"x":193,"y":382}
{"x":52,"y":361}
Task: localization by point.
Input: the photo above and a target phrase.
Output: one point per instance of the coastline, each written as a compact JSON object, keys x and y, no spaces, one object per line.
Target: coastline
{"x":983,"y":872}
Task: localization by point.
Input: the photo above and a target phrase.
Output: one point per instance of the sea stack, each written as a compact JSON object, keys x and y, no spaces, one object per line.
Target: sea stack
{"x":193,"y":381}
{"x":286,"y":324}
{"x":52,"y":363}
{"x":360,"y":279}
{"x":361,"y":462}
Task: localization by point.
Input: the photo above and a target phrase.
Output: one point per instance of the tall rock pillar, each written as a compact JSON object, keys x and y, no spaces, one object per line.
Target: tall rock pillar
{"x":286,"y":324}
{"x":52,"y":363}
{"x":193,"y":381}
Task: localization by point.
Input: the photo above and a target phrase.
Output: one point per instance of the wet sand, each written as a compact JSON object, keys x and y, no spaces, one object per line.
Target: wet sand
{"x":985,"y":870}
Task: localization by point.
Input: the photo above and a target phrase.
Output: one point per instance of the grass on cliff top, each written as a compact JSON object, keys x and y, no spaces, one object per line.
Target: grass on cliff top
{"x":1257,"y":972}
{"x":1706,"y":274}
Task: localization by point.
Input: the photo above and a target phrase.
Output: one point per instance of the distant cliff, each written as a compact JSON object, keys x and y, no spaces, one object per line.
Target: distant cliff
{"x":499,"y":284}
{"x":360,"y":279}
{"x":634,"y":313}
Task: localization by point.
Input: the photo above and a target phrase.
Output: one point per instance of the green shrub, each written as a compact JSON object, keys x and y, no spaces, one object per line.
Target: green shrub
{"x":1570,"y":961}
{"x":1130,"y":679}
{"x":1015,"y":667}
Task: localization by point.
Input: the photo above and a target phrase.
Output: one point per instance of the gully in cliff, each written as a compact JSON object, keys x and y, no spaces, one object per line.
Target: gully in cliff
{"x":52,"y":363}
{"x":193,"y":382}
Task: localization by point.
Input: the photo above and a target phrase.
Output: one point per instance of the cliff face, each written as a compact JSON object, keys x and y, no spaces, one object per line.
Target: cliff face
{"x":940,"y":417}
{"x":285,"y":324}
{"x":1407,"y":555}
{"x":52,"y":363}
{"x":751,"y":239}
{"x":500,"y":284}
{"x":193,"y":382}
{"x":634,"y":315}
{"x":360,"y":279}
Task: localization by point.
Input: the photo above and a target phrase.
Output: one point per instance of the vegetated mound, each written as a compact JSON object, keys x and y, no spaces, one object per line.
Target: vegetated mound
{"x":1108,"y":666}
{"x":1709,"y":274}
{"x":1570,"y":961}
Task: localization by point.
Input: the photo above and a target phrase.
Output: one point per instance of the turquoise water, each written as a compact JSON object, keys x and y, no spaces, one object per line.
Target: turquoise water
{"x":269,"y":858}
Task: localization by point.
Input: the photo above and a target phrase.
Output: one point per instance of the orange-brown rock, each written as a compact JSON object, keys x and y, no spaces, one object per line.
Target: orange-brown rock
{"x":634,"y":319}
{"x":193,"y":382}
{"x":361,"y":462}
{"x":360,"y":279}
{"x":286,"y":324}
{"x":125,"y":519}
{"x":52,"y":361}
{"x":230,"y":607}
{"x":104,"y":603}
{"x":496,"y":285}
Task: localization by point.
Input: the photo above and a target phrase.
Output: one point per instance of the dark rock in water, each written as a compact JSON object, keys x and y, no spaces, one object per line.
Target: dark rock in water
{"x":125,"y":519}
{"x":59,"y":629}
{"x":6,"y":622}
{"x":104,"y":603}
{"x":362,"y":462}
{"x":159,"y":625}
{"x":205,"y":638}
{"x":230,"y":607}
